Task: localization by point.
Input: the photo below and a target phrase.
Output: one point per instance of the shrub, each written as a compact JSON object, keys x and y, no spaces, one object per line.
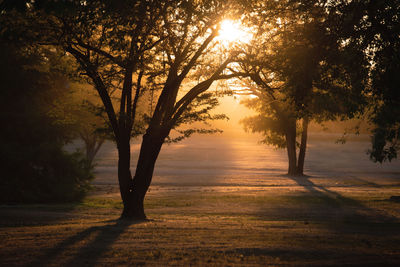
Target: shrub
{"x":35,"y":168}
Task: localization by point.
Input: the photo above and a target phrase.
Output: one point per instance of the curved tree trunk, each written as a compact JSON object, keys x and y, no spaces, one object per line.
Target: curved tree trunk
{"x":138,"y":186}
{"x":291,"y":147}
{"x":303,"y":147}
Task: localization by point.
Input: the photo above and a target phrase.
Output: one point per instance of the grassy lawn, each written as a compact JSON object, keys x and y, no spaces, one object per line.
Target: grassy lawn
{"x":300,"y":225}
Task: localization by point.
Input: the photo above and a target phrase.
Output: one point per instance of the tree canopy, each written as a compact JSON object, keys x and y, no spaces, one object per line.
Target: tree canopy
{"x":128,"y":48}
{"x":376,"y":31}
{"x":299,"y":70}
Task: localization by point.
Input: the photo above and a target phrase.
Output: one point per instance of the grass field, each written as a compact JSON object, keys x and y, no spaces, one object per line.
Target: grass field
{"x":220,"y":211}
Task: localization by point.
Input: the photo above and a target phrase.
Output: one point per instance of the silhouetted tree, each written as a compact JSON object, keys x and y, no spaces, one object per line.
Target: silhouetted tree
{"x":373,"y":27}
{"x":188,"y":33}
{"x":299,"y":70}
{"x":123,"y":47}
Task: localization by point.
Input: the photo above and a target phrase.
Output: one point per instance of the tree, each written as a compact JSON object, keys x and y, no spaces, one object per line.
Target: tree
{"x":299,"y":70}
{"x":373,"y":28}
{"x":188,"y":34}
{"x":90,"y":130}
{"x":82,"y":109}
{"x":35,"y":168}
{"x":127,"y":46}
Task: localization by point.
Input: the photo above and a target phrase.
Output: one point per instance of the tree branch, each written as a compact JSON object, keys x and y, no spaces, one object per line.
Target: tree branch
{"x":99,"y":85}
{"x":182,"y":104}
{"x":232,"y":75}
{"x":136,"y":99}
{"x":101,"y":52}
{"x":198,"y":53}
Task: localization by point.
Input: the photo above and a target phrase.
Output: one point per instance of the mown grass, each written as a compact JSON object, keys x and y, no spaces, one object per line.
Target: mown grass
{"x":257,"y":228}
{"x":101,"y":203}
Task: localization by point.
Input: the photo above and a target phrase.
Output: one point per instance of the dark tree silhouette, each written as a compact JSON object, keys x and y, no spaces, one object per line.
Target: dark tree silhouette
{"x":35,"y":168}
{"x":124,"y":48}
{"x":300,"y":71}
{"x":373,"y":27}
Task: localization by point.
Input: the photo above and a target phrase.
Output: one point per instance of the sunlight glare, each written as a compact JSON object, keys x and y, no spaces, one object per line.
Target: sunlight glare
{"x":233,"y":32}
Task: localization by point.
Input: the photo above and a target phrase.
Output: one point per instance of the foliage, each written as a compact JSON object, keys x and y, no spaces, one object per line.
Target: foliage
{"x":198,"y":111}
{"x":299,"y":70}
{"x":189,"y":61}
{"x":373,"y":29}
{"x":299,"y":61}
{"x":267,"y":121}
{"x":131,"y":49}
{"x":35,"y":167}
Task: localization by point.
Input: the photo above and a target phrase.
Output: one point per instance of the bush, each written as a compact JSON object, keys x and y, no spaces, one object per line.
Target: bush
{"x":52,"y":176}
{"x":35,"y":168}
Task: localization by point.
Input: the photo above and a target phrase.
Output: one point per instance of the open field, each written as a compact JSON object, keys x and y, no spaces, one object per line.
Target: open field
{"x":218,"y":201}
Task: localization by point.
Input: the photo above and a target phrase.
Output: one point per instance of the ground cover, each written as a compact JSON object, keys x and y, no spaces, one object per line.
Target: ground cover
{"x":300,"y":224}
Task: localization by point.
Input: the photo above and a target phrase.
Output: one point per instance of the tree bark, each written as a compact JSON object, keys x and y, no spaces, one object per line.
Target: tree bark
{"x":138,"y":186}
{"x":124,"y":172}
{"x":303,"y":147}
{"x":291,"y":146}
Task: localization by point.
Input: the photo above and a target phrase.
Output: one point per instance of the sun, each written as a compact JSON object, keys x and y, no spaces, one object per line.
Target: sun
{"x":232,"y":31}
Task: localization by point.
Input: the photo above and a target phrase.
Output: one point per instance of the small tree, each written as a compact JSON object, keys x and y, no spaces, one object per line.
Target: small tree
{"x":87,"y":117}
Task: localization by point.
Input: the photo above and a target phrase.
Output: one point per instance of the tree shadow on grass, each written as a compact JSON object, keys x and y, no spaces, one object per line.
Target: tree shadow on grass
{"x":86,"y":247}
{"x":337,"y":230}
{"x":35,"y":214}
{"x":335,"y":207}
{"x":366,"y":182}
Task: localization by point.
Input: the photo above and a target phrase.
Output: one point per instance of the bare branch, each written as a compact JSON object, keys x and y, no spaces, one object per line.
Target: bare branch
{"x":198,"y":53}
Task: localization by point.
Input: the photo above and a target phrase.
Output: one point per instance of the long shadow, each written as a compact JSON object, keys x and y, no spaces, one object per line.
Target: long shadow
{"x":324,"y":193}
{"x":97,"y":240}
{"x":366,"y":183}
{"x":353,"y":211}
{"x":34,"y":214}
